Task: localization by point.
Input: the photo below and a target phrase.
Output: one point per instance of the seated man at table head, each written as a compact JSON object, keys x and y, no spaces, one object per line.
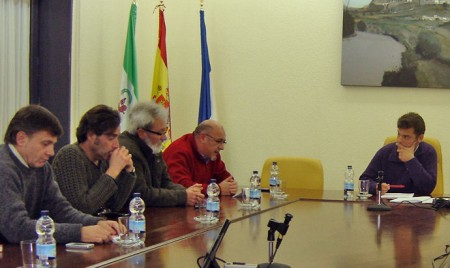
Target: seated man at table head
{"x":95,"y":173}
{"x":410,"y":164}
{"x":147,"y":127}
{"x":195,"y":158}
{"x":27,"y":184}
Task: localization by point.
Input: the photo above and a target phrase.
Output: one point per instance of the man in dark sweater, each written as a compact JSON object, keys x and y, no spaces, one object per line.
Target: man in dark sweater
{"x":95,"y":173}
{"x":146,"y":133}
{"x":27,"y":184}
{"x":409,"y":163}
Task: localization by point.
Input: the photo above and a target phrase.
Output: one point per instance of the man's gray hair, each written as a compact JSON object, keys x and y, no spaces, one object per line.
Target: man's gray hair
{"x":144,"y":114}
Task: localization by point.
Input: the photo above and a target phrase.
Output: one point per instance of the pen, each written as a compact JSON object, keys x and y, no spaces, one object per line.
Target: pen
{"x":396,"y":186}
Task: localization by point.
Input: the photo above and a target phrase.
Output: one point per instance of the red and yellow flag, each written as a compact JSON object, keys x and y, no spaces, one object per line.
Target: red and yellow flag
{"x":160,"y":89}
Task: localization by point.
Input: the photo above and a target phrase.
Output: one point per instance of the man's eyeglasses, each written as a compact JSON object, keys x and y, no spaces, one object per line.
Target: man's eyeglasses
{"x":218,"y":141}
{"x":154,"y":132}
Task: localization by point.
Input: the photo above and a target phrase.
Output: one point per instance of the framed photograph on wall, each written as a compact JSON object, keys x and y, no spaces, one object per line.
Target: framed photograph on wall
{"x":396,"y":43}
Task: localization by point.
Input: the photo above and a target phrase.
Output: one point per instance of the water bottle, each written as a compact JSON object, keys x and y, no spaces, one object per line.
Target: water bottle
{"x":255,"y":191}
{"x":213,"y":202}
{"x":45,"y":244}
{"x":349,"y":184}
{"x":274,"y":179}
{"x":137,"y":218}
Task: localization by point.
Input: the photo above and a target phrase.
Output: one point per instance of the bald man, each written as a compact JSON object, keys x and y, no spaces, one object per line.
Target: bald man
{"x":195,"y":158}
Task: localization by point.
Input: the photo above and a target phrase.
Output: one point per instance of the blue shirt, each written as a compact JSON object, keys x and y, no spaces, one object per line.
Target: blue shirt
{"x":418,"y":174}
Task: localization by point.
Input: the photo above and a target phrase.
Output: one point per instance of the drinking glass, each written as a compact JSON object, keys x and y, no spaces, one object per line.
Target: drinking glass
{"x":124,"y":234}
{"x":364,"y":188}
{"x":28,"y":249}
{"x":245,"y":196}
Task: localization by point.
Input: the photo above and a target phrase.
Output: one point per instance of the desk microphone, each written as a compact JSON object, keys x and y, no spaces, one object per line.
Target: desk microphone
{"x":379,"y":206}
{"x":281,"y":228}
{"x":281,"y":233}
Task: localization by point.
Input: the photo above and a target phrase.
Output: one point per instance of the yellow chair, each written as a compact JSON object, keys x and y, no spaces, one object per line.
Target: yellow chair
{"x":439,"y":189}
{"x":298,"y":172}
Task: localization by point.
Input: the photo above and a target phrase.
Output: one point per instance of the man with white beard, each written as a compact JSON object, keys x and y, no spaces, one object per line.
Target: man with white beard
{"x":146,"y":132}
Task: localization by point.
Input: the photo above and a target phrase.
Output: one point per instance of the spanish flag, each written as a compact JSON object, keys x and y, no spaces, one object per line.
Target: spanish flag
{"x":160,"y":89}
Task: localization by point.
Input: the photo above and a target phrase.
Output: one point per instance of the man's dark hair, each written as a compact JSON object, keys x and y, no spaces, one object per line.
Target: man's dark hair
{"x":31,"y":119}
{"x":99,"y":120}
{"x":412,"y":120}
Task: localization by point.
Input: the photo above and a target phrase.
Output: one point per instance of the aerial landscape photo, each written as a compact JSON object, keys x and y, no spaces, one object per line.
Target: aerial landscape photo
{"x":396,"y":43}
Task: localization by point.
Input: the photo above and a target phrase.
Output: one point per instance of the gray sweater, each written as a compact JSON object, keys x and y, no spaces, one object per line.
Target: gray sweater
{"x":153,"y":180}
{"x":24,"y":192}
{"x":87,"y":186}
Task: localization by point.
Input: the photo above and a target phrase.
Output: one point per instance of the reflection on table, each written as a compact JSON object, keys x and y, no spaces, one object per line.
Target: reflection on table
{"x":321,"y":234}
{"x":163,"y":225}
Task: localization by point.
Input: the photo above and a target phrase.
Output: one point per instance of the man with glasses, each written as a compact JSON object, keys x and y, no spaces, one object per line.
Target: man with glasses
{"x":409,"y":165}
{"x":147,"y":127}
{"x":95,"y":174}
{"x":195,"y":158}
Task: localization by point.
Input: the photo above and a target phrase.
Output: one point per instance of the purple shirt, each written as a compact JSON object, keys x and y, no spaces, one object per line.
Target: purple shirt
{"x":418,"y":174}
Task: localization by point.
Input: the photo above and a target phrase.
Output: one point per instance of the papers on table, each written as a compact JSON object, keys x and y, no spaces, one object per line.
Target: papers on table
{"x":407,"y":198}
{"x":417,"y":199}
{"x":397,"y":195}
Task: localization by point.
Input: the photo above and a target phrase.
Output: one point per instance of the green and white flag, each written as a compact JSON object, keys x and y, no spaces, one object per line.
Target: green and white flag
{"x":129,"y":83}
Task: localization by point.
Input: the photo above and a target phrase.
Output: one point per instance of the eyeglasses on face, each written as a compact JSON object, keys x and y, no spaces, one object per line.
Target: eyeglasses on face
{"x":218,"y":141}
{"x":155,"y":132}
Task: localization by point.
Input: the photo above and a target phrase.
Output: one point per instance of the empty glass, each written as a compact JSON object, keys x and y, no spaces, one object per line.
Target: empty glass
{"x":125,"y":239}
{"x":364,"y":189}
{"x":245,"y":197}
{"x":28,"y":249}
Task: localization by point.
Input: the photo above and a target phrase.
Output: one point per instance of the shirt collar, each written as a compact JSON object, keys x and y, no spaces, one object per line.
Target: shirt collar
{"x":17,"y":154}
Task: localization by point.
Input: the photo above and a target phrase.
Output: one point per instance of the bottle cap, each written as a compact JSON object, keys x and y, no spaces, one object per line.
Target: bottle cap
{"x":44,"y":212}
{"x":255,"y":172}
{"x":213,"y":181}
{"x":137,"y":195}
{"x":274,"y":163}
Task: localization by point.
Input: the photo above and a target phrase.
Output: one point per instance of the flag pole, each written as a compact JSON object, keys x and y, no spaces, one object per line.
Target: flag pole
{"x":161,"y":6}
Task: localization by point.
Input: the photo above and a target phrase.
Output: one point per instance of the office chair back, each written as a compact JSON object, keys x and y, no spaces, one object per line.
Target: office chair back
{"x":439,"y":189}
{"x":297,"y":172}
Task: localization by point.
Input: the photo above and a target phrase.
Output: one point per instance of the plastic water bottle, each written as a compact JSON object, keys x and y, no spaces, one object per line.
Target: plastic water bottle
{"x":349,"y":184}
{"x":45,"y":244}
{"x":137,"y":218}
{"x":213,"y":202}
{"x":274,"y":180}
{"x":255,"y":191}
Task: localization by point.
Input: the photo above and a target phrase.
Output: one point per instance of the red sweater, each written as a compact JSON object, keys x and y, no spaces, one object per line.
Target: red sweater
{"x":186,"y":165}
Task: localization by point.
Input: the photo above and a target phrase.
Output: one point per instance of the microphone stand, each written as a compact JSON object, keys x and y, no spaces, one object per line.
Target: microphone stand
{"x":282,"y":230}
{"x":380,"y":206}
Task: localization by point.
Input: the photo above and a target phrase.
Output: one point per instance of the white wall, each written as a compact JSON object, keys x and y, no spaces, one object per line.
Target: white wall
{"x":276,"y":69}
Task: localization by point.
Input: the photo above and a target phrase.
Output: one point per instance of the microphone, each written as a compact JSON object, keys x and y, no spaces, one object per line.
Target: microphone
{"x":287,"y":219}
{"x":379,"y":206}
{"x":281,"y":228}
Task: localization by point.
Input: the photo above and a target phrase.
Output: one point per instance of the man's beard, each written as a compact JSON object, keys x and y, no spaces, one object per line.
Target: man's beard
{"x":156,"y":148}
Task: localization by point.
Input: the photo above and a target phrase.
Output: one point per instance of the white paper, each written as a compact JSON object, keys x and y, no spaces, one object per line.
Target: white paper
{"x":417,"y":199}
{"x":397,"y":195}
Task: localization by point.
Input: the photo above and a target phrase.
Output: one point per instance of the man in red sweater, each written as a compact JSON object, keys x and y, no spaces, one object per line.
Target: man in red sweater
{"x":195,"y":158}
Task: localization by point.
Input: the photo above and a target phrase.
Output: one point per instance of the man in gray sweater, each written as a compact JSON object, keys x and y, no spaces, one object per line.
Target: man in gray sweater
{"x":27,"y":184}
{"x":146,"y":133}
{"x":95,"y":173}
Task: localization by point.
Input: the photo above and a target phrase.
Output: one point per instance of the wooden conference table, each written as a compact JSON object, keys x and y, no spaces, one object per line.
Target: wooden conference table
{"x":325,"y":232}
